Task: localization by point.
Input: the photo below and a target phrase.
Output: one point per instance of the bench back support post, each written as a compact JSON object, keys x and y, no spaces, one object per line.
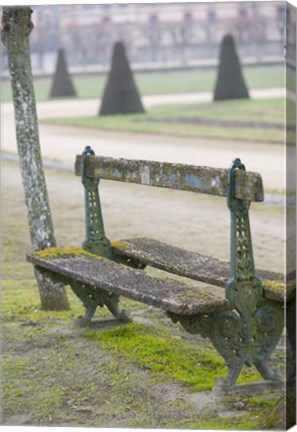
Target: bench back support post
{"x":96,"y":242}
{"x":242,"y":258}
{"x":249,"y":332}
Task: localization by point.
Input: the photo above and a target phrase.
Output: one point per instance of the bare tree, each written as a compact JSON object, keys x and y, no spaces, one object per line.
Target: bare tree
{"x":17,"y":25}
{"x":182,"y":36}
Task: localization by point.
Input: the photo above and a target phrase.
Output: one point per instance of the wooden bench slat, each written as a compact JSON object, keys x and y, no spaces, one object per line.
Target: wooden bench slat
{"x":196,"y":266}
{"x":107,"y":275}
{"x":248,"y":185}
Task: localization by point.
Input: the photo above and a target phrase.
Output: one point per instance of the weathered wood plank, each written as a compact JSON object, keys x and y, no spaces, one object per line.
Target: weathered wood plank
{"x":196,"y":266}
{"x":248,"y":185}
{"x":107,"y":275}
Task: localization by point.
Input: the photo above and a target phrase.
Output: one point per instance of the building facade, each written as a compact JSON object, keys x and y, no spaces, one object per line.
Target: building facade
{"x":169,"y":34}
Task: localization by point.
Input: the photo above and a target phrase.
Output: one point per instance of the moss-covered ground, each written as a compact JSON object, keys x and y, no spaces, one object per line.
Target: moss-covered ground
{"x":148,"y":373}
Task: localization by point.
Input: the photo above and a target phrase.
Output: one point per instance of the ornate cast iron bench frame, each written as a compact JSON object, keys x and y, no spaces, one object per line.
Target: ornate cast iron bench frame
{"x":245,"y":327}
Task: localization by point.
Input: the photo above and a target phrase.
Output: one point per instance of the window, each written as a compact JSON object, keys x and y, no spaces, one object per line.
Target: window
{"x":188,"y":17}
{"x":153,"y":19}
{"x":211,"y":16}
{"x":242,"y":12}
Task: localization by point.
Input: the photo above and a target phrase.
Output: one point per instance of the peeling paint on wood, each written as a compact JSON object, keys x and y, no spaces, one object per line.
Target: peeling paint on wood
{"x":248,"y":185}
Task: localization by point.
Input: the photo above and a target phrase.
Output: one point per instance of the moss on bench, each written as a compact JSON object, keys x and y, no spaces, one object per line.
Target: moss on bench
{"x":55,"y":252}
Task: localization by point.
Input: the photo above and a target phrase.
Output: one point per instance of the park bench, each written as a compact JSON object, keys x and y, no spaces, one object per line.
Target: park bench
{"x":244,"y":326}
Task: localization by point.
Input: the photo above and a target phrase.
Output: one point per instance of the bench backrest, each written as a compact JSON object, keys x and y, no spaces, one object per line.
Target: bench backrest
{"x":213,"y":181}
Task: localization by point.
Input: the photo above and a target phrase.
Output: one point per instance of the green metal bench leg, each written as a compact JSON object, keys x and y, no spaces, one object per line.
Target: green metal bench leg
{"x":240,"y":340}
{"x":88,"y":302}
{"x":247,"y":340}
{"x":92,"y":297}
{"x":113,"y":307}
{"x":248,"y":333}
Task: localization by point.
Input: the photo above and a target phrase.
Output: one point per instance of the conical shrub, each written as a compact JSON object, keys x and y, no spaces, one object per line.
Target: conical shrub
{"x":62,"y":85}
{"x":120,"y":95}
{"x":230,"y":83}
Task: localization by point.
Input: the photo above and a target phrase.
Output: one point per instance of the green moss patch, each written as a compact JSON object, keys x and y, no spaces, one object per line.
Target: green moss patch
{"x":117,"y":244}
{"x":155,"y":350}
{"x":279,"y":289}
{"x":56,"y":252}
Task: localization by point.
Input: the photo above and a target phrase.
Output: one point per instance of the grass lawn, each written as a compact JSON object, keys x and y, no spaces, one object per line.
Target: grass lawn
{"x":189,"y":120}
{"x":166,"y":82}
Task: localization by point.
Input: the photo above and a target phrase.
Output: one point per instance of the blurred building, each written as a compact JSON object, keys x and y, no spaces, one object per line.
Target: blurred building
{"x":160,"y":35}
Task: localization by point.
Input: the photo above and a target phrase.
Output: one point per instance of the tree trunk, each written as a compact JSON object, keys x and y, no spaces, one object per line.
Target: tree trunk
{"x":17,"y":25}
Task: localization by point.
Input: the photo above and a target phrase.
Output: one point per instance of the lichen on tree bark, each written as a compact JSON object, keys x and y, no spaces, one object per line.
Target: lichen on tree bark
{"x":16,"y":28}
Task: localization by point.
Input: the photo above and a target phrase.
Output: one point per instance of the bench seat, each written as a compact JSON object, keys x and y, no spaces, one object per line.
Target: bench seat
{"x":196,"y":266}
{"x":104,"y":274}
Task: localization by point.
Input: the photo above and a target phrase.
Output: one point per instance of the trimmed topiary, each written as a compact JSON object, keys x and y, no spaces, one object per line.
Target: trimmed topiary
{"x":230,"y":83}
{"x":62,"y":85}
{"x":120,"y":95}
